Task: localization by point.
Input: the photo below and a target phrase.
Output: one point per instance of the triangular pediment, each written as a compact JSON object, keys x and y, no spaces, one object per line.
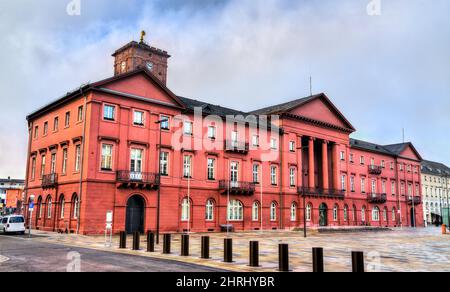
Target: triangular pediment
{"x":410,"y":152}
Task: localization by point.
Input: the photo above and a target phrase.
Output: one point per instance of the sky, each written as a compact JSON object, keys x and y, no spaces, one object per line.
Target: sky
{"x":384,"y":63}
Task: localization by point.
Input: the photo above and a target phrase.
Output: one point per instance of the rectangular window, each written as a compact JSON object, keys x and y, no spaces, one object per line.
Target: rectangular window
{"x":351,"y":158}
{"x":138,"y":118}
{"x":342,"y":155}
{"x":401,"y":167}
{"x":77,"y":158}
{"x":402,"y":189}
{"x":372,"y":161}
{"x":374,"y":186}
{"x":55,"y":124}
{"x":234,"y":139}
{"x":409,"y":189}
{"x":80,"y":114}
{"x":36,"y":132}
{"x":361,"y":160}
{"x":211,"y":170}
{"x":106,"y":157}
{"x":363,"y":185}
{"x":383,"y":164}
{"x":212,"y":132}
{"x":292,"y":177}
{"x":255,"y":140}
{"x":64,"y":161}
{"x":187,"y":166}
{"x":45,"y":128}
{"x":352,"y":183}
{"x":165,"y":163}
{"x":164,"y":122}
{"x":255,"y":173}
{"x":136,"y":160}
{"x":393,"y":187}
{"x":33,"y":168}
{"x":42,"y":165}
{"x":292,"y":146}
{"x":109,"y":112}
{"x":53,"y":163}
{"x":343,"y":184}
{"x":67,"y":120}
{"x":392,"y":165}
{"x":273,"y":175}
{"x":234,"y":174}
{"x":188,"y":128}
{"x":273,"y":143}
{"x":383,"y":187}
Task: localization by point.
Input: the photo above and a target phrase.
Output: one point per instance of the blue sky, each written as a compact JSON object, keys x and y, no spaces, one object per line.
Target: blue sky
{"x":385,"y":72}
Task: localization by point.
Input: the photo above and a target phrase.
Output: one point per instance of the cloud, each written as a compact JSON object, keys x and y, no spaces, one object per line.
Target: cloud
{"x":386,"y":72}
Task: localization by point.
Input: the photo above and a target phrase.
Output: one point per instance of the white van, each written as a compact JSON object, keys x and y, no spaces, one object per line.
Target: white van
{"x":13,"y":224}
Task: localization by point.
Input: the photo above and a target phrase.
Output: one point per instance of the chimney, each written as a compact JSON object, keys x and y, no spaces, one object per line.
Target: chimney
{"x":136,"y":55}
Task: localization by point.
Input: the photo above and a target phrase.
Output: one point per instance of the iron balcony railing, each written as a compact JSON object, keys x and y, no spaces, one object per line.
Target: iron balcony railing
{"x":377,"y":198}
{"x":237,"y":187}
{"x":414,"y":200}
{"x":320,"y":192}
{"x":236,"y":147}
{"x":133,"y":178}
{"x":49,"y":180}
{"x":375,"y":169}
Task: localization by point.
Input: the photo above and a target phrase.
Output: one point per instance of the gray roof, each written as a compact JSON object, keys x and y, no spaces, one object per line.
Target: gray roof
{"x":434,"y":168}
{"x":283,"y":107}
{"x":208,"y":108}
{"x":12,"y":181}
{"x":370,"y":147}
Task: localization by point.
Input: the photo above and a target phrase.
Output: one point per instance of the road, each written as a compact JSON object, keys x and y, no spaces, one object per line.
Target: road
{"x":20,"y":254}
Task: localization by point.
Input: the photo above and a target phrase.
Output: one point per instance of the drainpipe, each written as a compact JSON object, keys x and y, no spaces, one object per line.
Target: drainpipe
{"x":280,"y":149}
{"x":25,"y":203}
{"x":82,"y":159}
{"x":397,"y":186}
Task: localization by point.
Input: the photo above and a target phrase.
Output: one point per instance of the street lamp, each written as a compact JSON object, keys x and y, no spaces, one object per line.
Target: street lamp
{"x":305,"y":174}
{"x":159,"y":177}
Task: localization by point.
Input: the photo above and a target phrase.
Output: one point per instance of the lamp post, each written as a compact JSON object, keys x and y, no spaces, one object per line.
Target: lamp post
{"x":158,"y":201}
{"x":305,"y":174}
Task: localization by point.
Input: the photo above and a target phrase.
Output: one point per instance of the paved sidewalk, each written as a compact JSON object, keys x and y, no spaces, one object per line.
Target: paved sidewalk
{"x":397,"y":250}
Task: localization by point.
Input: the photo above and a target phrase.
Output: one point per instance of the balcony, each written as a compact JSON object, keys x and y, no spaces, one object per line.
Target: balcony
{"x":237,"y":187}
{"x":49,"y":181}
{"x":322,"y":193}
{"x":375,"y":169}
{"x":377,"y":198}
{"x":414,"y":200}
{"x":236,"y":147}
{"x":138,"y":180}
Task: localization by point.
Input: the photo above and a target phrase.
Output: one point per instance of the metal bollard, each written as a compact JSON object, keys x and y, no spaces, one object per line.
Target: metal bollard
{"x":136,"y":240}
{"x":358,"y":262}
{"x":317,"y":253}
{"x":185,"y":245}
{"x":122,"y":239}
{"x":166,"y":244}
{"x":254,"y":254}
{"x":228,"y":250}
{"x":283,"y":257}
{"x":150,"y":241}
{"x":205,"y":247}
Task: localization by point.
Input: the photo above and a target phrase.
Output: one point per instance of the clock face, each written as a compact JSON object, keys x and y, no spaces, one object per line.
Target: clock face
{"x":123,"y":66}
{"x":150,"y":66}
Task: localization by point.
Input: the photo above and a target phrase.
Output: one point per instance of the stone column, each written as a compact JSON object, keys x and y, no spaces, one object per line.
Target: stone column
{"x":325,"y":164}
{"x":299,"y":162}
{"x":311,"y":170}
{"x":336,"y":171}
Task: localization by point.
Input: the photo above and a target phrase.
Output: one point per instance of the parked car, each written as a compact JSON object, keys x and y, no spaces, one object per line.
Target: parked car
{"x":13,"y":224}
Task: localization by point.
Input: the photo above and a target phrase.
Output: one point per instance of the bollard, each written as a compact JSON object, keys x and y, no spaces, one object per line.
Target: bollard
{"x":123,"y":239}
{"x":283,"y":257}
{"x":136,"y":240}
{"x":185,"y":245}
{"x":444,"y":229}
{"x":150,"y":241}
{"x":228,"y":250}
{"x":205,"y":247}
{"x":358,"y":262}
{"x":318,"y":260}
{"x":166,"y":244}
{"x":254,"y":254}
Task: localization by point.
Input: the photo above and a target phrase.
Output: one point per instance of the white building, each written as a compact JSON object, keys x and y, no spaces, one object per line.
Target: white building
{"x":435,"y":190}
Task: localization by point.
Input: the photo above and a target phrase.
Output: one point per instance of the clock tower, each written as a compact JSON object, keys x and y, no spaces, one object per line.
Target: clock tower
{"x":136,"y":55}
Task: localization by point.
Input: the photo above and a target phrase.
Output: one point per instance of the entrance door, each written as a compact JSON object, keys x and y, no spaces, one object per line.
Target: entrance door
{"x":413,"y":218}
{"x":323,"y":215}
{"x":135,"y":215}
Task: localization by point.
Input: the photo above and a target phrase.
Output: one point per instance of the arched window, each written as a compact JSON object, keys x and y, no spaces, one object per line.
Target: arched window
{"x":394,"y":216}
{"x":49,"y":207}
{"x":294,"y":211}
{"x":308,"y":212}
{"x":376,"y":214}
{"x":255,"y":211}
{"x":345,"y":213}
{"x":363,"y":214}
{"x":385,"y":214}
{"x":62,"y":204}
{"x":235,"y":211}
{"x":273,"y":211}
{"x":39,"y":204}
{"x":209,"y":216}
{"x":75,"y":207}
{"x":355,"y":214}
{"x":335,"y":212}
{"x":185,"y":209}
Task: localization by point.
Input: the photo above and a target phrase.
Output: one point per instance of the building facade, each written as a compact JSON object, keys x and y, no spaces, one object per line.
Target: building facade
{"x":11,"y":195}
{"x":436,"y":191}
{"x":121,"y":143}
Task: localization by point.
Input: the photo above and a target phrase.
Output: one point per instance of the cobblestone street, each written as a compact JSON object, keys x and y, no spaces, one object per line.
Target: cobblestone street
{"x":398,"y":250}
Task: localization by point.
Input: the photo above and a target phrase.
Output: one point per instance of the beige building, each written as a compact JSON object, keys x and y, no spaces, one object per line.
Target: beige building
{"x":435,"y":191}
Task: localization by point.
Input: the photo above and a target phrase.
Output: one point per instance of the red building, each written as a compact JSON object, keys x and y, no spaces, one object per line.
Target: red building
{"x":96,"y":150}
